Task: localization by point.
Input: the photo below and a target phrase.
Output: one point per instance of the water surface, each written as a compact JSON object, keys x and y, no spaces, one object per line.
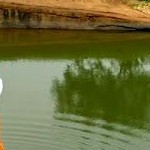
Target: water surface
{"x":75,"y":90}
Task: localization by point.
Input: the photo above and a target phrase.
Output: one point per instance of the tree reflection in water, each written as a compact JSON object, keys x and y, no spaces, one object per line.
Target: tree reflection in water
{"x":109,"y":89}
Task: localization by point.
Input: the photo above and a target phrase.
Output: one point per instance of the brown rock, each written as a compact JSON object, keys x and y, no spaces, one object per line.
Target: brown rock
{"x":71,"y":15}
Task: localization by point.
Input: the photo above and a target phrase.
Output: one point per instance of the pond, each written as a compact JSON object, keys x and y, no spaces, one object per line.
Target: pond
{"x":75,"y":90}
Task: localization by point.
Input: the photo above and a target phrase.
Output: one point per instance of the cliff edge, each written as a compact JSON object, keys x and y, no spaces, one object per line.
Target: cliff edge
{"x":74,"y":14}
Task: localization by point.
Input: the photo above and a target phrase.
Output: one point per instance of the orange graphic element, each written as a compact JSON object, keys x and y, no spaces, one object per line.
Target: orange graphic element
{"x":1,"y":145}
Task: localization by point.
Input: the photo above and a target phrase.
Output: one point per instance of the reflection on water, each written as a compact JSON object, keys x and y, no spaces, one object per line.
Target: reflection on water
{"x":75,"y":90}
{"x":113,"y":90}
{"x":109,"y":94}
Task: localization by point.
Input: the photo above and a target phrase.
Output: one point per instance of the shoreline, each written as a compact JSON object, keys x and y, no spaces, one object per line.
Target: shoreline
{"x":105,"y":17}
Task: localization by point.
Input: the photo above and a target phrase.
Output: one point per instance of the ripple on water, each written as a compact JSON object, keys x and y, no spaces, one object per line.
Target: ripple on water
{"x":70,"y":132}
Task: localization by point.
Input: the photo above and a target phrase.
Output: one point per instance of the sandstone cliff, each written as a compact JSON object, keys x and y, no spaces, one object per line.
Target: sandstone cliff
{"x":73,"y":14}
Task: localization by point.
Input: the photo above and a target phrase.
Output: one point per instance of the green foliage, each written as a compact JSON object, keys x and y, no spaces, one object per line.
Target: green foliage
{"x":145,"y":0}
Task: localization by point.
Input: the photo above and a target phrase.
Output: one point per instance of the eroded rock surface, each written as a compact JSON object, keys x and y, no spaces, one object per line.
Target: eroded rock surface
{"x":77,"y":15}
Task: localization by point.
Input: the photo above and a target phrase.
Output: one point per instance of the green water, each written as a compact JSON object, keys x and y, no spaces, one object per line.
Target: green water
{"x":73,"y":90}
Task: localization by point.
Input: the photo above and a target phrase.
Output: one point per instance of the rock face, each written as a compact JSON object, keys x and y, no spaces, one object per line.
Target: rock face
{"x":25,"y":16}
